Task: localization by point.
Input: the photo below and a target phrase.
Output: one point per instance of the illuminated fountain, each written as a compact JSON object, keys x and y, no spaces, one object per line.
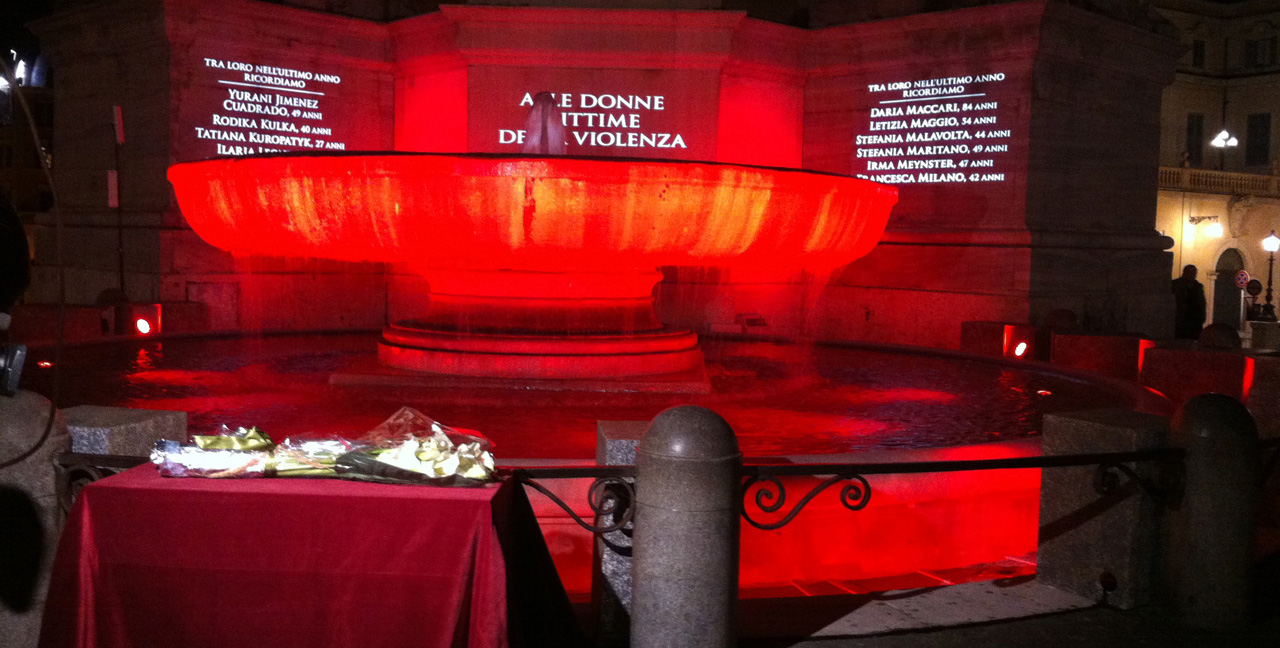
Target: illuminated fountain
{"x":545,"y":267}
{"x":539,"y":267}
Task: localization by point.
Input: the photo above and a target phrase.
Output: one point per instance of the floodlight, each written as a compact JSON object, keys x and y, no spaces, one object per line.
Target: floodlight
{"x":12,"y":357}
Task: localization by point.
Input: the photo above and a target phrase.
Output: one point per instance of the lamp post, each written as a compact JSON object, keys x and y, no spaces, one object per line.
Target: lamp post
{"x":1222,"y":142}
{"x":1270,"y":244}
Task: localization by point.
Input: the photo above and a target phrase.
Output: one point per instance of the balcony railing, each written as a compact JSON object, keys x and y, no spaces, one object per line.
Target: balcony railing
{"x":1219,"y":182}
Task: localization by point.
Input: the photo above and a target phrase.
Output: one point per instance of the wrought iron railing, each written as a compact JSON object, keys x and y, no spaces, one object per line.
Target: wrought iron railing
{"x":612,"y":493}
{"x":77,"y":470}
{"x":771,"y":494}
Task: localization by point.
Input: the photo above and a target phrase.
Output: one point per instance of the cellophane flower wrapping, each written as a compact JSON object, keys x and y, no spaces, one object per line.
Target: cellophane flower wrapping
{"x":310,"y":457}
{"x":409,"y":447}
{"x":226,"y":454}
{"x":408,"y":423}
{"x":413,"y":447}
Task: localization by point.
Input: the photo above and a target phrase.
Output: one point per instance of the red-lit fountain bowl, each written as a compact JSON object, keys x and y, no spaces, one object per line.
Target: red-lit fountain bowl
{"x":539,"y":267}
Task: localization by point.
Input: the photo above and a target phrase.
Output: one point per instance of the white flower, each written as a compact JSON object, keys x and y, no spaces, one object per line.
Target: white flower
{"x":403,"y":456}
{"x":474,"y":463}
{"x":445,"y":466}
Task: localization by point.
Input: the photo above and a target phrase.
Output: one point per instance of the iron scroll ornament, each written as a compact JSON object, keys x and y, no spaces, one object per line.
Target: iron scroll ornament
{"x":77,"y":470}
{"x":1165,"y":488}
{"x":772,"y":495}
{"x":608,"y":497}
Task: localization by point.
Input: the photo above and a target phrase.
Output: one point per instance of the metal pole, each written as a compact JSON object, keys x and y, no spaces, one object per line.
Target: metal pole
{"x":117,"y":124}
{"x":1212,"y":531}
{"x":1269,"y":310}
{"x":684,"y":570}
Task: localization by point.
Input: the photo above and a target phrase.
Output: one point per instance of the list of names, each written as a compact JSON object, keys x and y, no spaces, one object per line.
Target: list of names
{"x":940,"y":130}
{"x":268,"y":109}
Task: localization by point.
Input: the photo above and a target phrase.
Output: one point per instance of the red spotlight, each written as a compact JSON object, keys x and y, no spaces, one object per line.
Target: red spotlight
{"x":1019,"y":341}
{"x":138,"y":319}
{"x":44,"y":364}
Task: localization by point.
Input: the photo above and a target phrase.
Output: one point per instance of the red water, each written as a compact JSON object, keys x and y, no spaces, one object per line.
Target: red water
{"x":781,"y":399}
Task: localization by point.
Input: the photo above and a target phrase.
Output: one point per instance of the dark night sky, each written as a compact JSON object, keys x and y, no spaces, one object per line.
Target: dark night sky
{"x":13,"y":35}
{"x":14,"y":14}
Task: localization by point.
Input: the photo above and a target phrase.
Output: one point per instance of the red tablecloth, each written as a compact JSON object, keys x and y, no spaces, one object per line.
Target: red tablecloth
{"x":146,"y":561}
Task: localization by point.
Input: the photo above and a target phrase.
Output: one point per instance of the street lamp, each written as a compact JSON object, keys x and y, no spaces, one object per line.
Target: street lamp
{"x":1222,"y":142}
{"x":1270,"y":244}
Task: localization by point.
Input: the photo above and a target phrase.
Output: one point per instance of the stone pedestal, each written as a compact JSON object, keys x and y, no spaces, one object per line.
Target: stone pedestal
{"x":982,"y":338}
{"x":186,"y":317}
{"x":37,"y":323}
{"x":1264,"y":397}
{"x":1265,"y":336}
{"x":121,"y":430}
{"x":616,"y":443}
{"x":1117,"y":356}
{"x":29,"y":498}
{"x":1087,"y":538}
{"x":1180,"y":374}
{"x":998,"y":339}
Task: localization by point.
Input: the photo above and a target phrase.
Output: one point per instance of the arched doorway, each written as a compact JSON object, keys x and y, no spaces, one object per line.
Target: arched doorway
{"x":1227,"y":297}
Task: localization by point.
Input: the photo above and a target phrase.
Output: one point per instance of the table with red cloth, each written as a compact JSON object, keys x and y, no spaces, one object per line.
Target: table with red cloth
{"x":147,"y":561}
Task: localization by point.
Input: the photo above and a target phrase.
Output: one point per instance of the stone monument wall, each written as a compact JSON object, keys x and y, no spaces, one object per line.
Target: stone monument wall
{"x":1022,"y":137}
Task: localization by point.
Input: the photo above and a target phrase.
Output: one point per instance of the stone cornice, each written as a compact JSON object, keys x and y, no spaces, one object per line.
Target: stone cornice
{"x":1012,"y":29}
{"x":1217,"y":10}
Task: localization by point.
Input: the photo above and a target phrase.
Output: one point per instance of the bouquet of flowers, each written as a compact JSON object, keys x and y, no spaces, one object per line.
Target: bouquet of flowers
{"x":310,"y":457}
{"x":412,"y":448}
{"x":409,"y":447}
{"x":240,"y":453}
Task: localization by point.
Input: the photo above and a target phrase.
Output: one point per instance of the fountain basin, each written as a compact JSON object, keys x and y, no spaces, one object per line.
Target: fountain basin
{"x":546,"y":265}
{"x":828,"y":403}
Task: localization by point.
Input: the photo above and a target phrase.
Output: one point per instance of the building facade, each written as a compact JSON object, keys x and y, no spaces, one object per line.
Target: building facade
{"x":1220,"y":194}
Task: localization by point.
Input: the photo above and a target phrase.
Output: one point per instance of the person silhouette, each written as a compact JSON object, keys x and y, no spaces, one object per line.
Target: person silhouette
{"x":1189,"y":305}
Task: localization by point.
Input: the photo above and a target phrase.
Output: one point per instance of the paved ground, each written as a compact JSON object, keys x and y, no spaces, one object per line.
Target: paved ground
{"x":1094,"y":627}
{"x":1008,"y":613}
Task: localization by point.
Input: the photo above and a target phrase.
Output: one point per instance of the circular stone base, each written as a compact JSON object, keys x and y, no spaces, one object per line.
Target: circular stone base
{"x":539,"y":356}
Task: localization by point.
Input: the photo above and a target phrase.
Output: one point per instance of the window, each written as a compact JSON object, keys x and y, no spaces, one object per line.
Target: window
{"x":1197,"y":54}
{"x":1257,"y":140}
{"x":1195,"y":139}
{"x":1260,"y":52}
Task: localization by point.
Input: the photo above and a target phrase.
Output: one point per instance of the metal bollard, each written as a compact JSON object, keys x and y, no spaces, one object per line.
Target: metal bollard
{"x":684,"y":568}
{"x":1212,"y":531}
